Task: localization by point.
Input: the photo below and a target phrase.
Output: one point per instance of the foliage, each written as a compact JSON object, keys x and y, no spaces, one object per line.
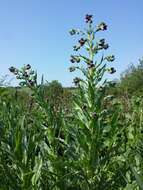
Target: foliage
{"x":130,"y":83}
{"x":131,"y":80}
{"x":93,"y":143}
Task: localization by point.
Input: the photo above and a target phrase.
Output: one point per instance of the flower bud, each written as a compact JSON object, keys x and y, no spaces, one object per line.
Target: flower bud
{"x":72,"y":69}
{"x":111,"y":70}
{"x":27,"y":67}
{"x":106,"y":46}
{"x":75,"y":59}
{"x":110,"y":58}
{"x":90,"y":66}
{"x":76,"y":48}
{"x":88,"y":18}
{"x":72,"y":60}
{"x":102,"y":45}
{"x":82,"y":41}
{"x":18,"y":77}
{"x":25,"y":74}
{"x":12,"y":69}
{"x":76,"y":81}
{"x":16,"y":72}
{"x":102,"y":26}
{"x":72,"y":32}
{"x":31,"y":82}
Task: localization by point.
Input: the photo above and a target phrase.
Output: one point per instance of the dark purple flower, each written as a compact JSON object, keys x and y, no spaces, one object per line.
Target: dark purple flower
{"x":106,"y":46}
{"x":82,"y":41}
{"x":28,"y":67}
{"x":88,"y":18}
{"x":72,"y":60}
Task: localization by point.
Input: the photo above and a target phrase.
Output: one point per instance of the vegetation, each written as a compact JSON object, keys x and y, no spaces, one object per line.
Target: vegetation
{"x":83,"y":139}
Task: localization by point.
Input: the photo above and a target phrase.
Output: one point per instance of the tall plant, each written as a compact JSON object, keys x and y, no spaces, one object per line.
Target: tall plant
{"x":96,"y":114}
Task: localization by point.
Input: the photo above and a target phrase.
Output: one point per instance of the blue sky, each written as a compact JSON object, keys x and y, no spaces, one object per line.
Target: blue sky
{"x":36,"y":32}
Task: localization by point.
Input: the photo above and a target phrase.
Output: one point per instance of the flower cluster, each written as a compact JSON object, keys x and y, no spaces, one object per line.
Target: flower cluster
{"x":102,"y":44}
{"x":82,"y":41}
{"x":13,"y":70}
{"x":26,"y":74}
{"x":92,"y":46}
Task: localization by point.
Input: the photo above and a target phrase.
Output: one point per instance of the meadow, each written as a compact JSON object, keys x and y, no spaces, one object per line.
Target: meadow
{"x":89,"y":137}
